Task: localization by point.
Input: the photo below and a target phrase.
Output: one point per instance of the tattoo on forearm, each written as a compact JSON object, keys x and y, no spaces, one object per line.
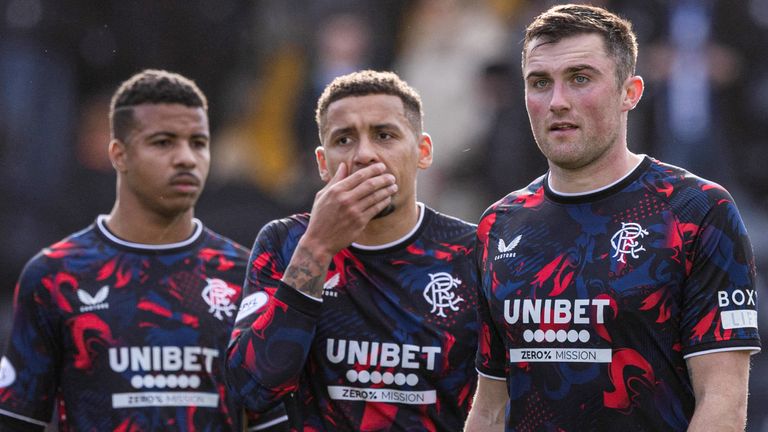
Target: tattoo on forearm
{"x":305,"y":274}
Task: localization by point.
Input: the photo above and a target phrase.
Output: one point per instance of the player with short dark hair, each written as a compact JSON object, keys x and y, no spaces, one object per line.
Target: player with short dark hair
{"x":151,"y":87}
{"x":361,"y":312}
{"x":617,"y":291}
{"x":124,"y":325}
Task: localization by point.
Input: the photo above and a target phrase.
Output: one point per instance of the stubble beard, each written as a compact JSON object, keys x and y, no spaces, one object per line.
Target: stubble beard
{"x":385,"y":212}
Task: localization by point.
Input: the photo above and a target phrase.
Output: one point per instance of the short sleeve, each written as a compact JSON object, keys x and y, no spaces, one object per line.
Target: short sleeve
{"x":490,"y":359}
{"x":720,"y":300}
{"x":29,"y":369}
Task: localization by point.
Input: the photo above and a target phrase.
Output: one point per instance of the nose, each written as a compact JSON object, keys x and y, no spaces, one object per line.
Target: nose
{"x":365,"y":153}
{"x":184,"y":156}
{"x":559,"y":98}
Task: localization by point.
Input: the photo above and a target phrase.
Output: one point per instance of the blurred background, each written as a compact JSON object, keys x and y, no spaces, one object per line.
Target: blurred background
{"x":263,"y":63}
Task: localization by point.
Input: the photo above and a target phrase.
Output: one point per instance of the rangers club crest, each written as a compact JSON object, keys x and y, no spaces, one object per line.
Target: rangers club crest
{"x":217,"y":294}
{"x":625,"y":241}
{"x":439,"y":293}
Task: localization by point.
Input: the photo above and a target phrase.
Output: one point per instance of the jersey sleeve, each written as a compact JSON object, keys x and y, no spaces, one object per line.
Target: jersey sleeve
{"x":274,"y":327}
{"x":720,"y":301}
{"x":490,"y":359}
{"x":274,"y":420}
{"x":29,"y":368}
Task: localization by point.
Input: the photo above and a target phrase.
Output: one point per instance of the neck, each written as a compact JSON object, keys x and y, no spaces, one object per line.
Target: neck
{"x":149,"y":228}
{"x":392,"y":227}
{"x":595,"y":175}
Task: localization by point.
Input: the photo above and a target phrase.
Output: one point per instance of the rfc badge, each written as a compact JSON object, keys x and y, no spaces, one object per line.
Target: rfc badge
{"x":218,"y":295}
{"x":439,"y":293}
{"x":626,"y":240}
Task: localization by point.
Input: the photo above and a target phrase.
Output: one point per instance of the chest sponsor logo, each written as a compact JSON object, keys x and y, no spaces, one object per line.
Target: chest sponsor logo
{"x":565,"y":313}
{"x":218,"y":295}
{"x":403,"y":361}
{"x":7,"y":373}
{"x":95,"y":302}
{"x":626,"y":241}
{"x":164,"y":376}
{"x":506,"y":250}
{"x":329,"y":287}
{"x":739,"y":318}
{"x":251,"y":304}
{"x":439,"y":293}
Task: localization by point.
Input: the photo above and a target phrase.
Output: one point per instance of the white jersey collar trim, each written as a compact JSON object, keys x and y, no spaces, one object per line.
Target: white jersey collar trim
{"x":101,"y":225}
{"x":608,"y":186}
{"x":398,"y":241}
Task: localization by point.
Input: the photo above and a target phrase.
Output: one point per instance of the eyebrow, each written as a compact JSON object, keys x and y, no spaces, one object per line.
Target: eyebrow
{"x":568,"y":71}
{"x":336,"y":132}
{"x":174,"y":135}
{"x":382,"y":126}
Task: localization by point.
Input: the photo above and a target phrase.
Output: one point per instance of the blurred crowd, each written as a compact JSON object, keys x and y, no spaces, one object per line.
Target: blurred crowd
{"x":262,"y":64}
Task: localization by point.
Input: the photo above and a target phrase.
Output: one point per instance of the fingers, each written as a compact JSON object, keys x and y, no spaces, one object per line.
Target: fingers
{"x":358,"y":177}
{"x":356,"y":188}
{"x":375,"y":202}
{"x":345,"y":205}
{"x":340,"y":174}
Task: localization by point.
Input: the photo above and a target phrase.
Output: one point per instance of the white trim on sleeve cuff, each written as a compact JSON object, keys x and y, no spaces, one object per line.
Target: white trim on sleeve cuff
{"x":491,"y":376}
{"x":754,"y":350}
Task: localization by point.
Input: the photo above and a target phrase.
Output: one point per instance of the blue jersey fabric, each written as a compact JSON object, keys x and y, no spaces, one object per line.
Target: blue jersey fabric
{"x":591,"y":303}
{"x":391,"y":345}
{"x":125,"y":336}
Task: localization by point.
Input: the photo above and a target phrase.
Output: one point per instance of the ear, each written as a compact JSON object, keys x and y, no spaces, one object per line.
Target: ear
{"x":633,"y":91}
{"x":117,"y":154}
{"x":322,"y":164}
{"x":425,"y":151}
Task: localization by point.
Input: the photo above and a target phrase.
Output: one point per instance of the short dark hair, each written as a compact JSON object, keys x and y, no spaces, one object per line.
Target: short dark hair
{"x":151,"y":86}
{"x":572,"y":19}
{"x":368,"y":82}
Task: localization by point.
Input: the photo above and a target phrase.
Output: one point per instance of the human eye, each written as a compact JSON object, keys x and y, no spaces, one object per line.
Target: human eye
{"x":162,"y":142}
{"x":200,"y":143}
{"x":580,"y":79}
{"x":539,"y":83}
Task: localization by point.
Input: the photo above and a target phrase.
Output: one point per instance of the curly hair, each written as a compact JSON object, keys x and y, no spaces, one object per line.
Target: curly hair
{"x":151,"y":86}
{"x":368,"y":82}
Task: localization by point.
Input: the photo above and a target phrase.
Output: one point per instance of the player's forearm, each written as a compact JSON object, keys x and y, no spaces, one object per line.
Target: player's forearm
{"x":483,"y":420}
{"x":705,"y":420}
{"x":308,"y":267}
{"x":244,"y":379}
{"x":720,"y":386}
{"x":489,"y":406}
{"x":725,"y":416}
{"x":269,"y":348}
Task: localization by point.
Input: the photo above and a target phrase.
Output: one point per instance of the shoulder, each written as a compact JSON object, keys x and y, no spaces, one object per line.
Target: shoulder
{"x":223,"y":243}
{"x":290,"y":226}
{"x":447,"y":229}
{"x":58,"y":256}
{"x":527,"y":197}
{"x":686,"y":193}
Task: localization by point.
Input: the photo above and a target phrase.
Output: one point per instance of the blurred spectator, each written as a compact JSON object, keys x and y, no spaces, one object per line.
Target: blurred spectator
{"x":90,"y":189}
{"x":342,"y":45}
{"x":38,"y":98}
{"x":510,"y":157}
{"x":446,"y":43}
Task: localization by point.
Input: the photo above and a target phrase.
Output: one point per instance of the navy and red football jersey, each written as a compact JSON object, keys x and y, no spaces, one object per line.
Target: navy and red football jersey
{"x":591,"y":303}
{"x":391,"y":345}
{"x":125,"y":336}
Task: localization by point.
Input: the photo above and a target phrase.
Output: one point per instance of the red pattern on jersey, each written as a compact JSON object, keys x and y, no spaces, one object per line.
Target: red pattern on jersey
{"x":623,"y":373}
{"x":87,"y":330}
